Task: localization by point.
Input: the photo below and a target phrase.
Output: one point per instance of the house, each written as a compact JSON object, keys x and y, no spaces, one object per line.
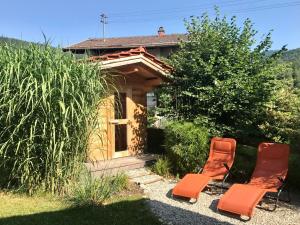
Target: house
{"x":160,"y":45}
{"x":121,"y":127}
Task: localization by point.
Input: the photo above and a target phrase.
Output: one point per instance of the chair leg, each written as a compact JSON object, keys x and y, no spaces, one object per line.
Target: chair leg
{"x":288,"y":195}
{"x":223,"y":183}
{"x":277,"y":200}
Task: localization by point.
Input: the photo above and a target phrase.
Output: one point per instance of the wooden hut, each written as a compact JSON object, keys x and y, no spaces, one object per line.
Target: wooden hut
{"x":121,"y":128}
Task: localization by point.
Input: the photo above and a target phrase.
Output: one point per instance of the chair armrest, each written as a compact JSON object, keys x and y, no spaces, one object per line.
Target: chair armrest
{"x":227,"y":167}
{"x":281,"y":179}
{"x":199,"y":169}
{"x":283,"y":182}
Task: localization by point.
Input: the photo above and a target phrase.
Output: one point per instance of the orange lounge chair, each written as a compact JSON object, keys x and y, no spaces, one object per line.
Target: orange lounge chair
{"x":269,"y":176}
{"x":220,"y":160}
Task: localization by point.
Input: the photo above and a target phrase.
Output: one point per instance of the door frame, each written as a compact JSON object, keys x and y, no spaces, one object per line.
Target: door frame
{"x":112,"y":122}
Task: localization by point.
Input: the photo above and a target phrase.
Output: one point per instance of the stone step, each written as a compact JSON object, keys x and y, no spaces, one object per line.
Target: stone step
{"x":153,"y":180}
{"x":147,"y":179}
{"x":125,"y":164}
{"x":115,"y":170}
{"x":138,"y":173}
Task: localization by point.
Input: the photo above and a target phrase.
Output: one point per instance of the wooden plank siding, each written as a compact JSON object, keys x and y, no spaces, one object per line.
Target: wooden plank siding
{"x":136,"y":72}
{"x":100,"y":137}
{"x":101,"y":141}
{"x":138,"y":122}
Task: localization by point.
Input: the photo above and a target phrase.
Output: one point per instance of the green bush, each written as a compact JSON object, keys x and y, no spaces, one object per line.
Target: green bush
{"x":282,"y":120}
{"x":186,"y":146}
{"x":94,"y":191}
{"x":293,"y":173}
{"x":47,"y":100}
{"x":155,"y":140}
{"x":162,"y":167}
{"x":151,"y":117}
{"x":244,"y":163}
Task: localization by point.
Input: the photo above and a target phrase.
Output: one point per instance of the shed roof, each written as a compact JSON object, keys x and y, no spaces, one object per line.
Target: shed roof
{"x":129,"y":42}
{"x":132,"y":52}
{"x":137,"y":56}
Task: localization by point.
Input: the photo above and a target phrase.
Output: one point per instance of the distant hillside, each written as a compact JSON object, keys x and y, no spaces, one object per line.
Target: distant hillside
{"x":13,"y":41}
{"x":293,"y":56}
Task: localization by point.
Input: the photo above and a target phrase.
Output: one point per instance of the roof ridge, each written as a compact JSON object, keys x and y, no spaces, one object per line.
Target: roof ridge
{"x":132,"y":52}
{"x":138,"y":36}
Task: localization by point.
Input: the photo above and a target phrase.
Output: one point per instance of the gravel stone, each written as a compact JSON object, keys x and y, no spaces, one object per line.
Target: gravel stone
{"x":204,"y":211}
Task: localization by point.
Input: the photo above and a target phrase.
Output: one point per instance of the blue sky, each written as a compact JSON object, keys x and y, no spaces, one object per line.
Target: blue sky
{"x":66,"y":22}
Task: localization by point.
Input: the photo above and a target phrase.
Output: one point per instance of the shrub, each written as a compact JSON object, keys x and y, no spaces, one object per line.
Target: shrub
{"x":282,"y":118}
{"x":46,"y":102}
{"x":155,"y":140}
{"x":293,"y":173}
{"x":186,"y":146}
{"x":162,"y":167}
{"x":244,"y":163}
{"x":151,"y":117}
{"x":94,"y":191}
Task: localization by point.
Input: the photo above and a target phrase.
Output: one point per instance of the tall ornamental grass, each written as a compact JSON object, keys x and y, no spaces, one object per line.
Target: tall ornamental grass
{"x":91,"y":190}
{"x":47,"y":106}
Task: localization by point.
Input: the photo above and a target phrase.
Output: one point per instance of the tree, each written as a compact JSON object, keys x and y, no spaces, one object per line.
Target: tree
{"x":223,"y":76}
{"x":282,"y":115}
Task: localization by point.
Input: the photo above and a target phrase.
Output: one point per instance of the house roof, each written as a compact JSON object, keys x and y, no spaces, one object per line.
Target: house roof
{"x":129,"y":42}
{"x":133,"y":56}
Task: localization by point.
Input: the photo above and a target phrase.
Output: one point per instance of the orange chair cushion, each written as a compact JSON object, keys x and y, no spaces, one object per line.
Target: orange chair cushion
{"x":272,"y":162}
{"x":191,"y":185}
{"x":222,"y":150}
{"x":241,"y":199}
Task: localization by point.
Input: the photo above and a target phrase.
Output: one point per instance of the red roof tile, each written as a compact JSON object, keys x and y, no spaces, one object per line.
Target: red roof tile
{"x":131,"y":52}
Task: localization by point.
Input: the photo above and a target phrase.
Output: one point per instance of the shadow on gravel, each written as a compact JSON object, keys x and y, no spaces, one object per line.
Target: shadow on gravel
{"x":213,"y":207}
{"x":177,"y":215}
{"x":295,"y":201}
{"x":177,"y":198}
{"x":189,"y":217}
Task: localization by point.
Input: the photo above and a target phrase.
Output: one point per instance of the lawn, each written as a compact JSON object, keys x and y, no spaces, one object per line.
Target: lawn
{"x":44,"y":210}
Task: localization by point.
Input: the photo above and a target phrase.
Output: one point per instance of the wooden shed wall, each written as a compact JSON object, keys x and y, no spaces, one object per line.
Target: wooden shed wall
{"x":101,"y":141}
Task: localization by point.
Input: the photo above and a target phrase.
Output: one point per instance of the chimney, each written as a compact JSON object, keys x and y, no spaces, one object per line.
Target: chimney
{"x":161,"y":32}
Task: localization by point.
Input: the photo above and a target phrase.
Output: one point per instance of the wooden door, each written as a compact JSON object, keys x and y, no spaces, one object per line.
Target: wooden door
{"x":119,"y":124}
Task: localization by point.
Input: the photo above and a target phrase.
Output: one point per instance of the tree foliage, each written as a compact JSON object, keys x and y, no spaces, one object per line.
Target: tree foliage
{"x":223,"y":76}
{"x":282,"y":114}
{"x":293,"y":56}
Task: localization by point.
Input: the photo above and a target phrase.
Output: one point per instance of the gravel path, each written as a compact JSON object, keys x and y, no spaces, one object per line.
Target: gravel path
{"x":172,"y":211}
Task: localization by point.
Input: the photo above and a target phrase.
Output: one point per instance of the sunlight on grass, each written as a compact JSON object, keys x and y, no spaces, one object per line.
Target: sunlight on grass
{"x":48,"y":210}
{"x":15,"y":204}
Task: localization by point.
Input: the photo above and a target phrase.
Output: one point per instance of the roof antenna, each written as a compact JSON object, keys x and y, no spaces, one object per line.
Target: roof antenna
{"x":103,"y":20}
